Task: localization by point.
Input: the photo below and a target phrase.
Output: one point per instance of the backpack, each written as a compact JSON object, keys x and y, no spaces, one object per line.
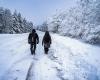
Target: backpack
{"x":31,"y":38}
{"x":47,"y":45}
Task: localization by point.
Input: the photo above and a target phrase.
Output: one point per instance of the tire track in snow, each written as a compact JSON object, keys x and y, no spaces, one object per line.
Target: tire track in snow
{"x":42,"y":69}
{"x":29,"y":74}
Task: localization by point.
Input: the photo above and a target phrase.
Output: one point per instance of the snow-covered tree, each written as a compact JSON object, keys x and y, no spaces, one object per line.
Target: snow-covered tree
{"x":8,"y":21}
{"x":81,"y":21}
{"x":13,"y":23}
{"x":1,"y":19}
{"x":54,"y":22}
{"x":44,"y":26}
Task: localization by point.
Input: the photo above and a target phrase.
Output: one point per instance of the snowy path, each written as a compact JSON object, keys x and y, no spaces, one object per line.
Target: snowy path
{"x":43,"y":70}
{"x":42,"y":67}
{"x":68,"y":59}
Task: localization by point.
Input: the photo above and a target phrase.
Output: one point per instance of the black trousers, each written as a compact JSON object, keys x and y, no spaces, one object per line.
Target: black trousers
{"x":33,"y":48}
{"x":46,"y":50}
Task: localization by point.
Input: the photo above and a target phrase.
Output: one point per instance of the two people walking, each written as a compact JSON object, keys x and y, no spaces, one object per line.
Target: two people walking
{"x":33,"y":40}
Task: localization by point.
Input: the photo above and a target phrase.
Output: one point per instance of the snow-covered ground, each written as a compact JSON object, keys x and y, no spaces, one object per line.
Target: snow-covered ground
{"x":68,"y":59}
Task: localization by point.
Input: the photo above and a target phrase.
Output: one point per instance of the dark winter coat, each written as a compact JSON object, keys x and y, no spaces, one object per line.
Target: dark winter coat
{"x":46,"y":40}
{"x":33,"y":38}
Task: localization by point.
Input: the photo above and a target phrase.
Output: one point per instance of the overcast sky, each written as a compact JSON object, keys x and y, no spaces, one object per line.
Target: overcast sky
{"x":37,"y":10}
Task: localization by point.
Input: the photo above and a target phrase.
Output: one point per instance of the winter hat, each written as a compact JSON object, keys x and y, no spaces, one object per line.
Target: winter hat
{"x":33,"y":31}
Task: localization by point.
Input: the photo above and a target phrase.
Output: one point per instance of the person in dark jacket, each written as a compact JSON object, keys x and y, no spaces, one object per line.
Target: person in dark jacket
{"x":46,"y":42}
{"x":33,"y":39}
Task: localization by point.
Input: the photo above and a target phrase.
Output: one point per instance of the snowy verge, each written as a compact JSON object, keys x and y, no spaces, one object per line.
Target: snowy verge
{"x":18,"y":71}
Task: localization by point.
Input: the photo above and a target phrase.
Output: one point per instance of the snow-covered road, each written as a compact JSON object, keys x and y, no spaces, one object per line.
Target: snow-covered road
{"x":68,"y":59}
{"x":43,"y":68}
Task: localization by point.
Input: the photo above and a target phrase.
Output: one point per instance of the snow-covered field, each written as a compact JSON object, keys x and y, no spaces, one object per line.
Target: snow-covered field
{"x":68,"y":59}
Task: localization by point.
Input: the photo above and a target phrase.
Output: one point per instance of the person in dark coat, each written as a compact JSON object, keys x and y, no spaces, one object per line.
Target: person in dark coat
{"x":46,"y":42}
{"x":33,"y":39}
